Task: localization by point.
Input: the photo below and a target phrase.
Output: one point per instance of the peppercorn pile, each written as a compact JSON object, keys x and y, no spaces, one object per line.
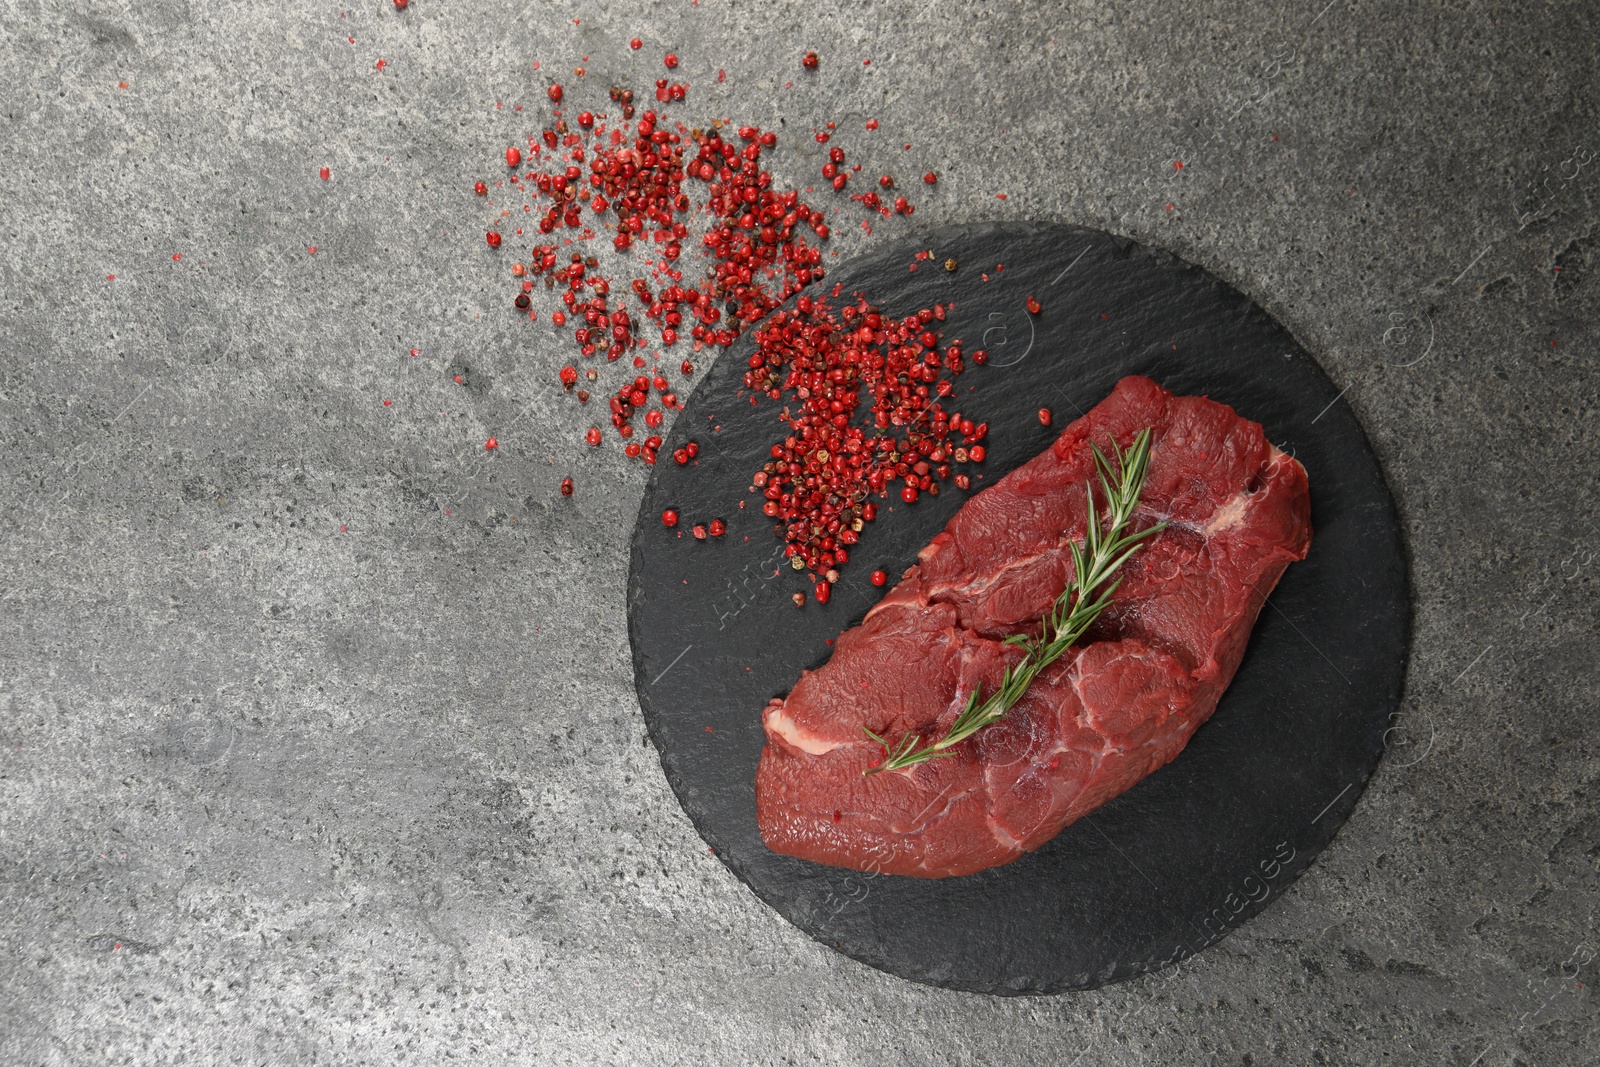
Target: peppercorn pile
{"x":656,"y":188}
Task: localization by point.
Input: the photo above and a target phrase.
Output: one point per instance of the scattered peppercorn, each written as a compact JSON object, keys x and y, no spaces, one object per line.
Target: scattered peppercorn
{"x":566,"y":487}
{"x":493,"y":239}
{"x":1044,"y":416}
{"x":1033,"y":306}
{"x":879,"y":578}
{"x":491,"y":444}
{"x":647,"y":182}
{"x":669,"y":518}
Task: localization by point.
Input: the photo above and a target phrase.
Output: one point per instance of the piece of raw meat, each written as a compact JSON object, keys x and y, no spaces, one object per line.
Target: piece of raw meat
{"x":1118,"y":706}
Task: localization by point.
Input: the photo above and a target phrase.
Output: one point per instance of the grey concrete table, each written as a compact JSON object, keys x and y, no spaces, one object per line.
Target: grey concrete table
{"x":318,"y":741}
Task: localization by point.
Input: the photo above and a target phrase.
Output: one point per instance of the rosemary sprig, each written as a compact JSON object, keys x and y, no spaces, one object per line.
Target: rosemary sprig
{"x":1075,"y":610}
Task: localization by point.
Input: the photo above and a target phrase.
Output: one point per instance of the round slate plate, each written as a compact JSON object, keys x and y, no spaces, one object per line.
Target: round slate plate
{"x":1196,"y":848}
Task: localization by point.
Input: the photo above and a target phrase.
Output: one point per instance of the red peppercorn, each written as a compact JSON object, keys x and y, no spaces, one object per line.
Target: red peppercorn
{"x":718,"y":527}
{"x":687,"y":368}
{"x":669,"y":518}
{"x":799,"y":600}
{"x":324,"y":174}
{"x":566,"y":487}
{"x":680,"y":457}
{"x":977,"y":453}
{"x":909,"y":494}
{"x":593,"y":436}
{"x":1033,"y":306}
{"x":400,"y":5}
{"x":586,"y":119}
{"x":809,"y":61}
{"x":980,"y":356}
{"x":493,"y":239}
{"x":1044,"y":416}
{"x":513,"y":156}
{"x":824,"y":590}
{"x":491,"y":444}
{"x":554,"y":92}
{"x":930,"y":177}
{"x":879,"y":578}
{"x":671,"y":60}
{"x":699,"y":532}
{"x":886,"y":181}
{"x":652,"y":419}
{"x":481,"y":189}
{"x":636,"y":44}
{"x":569,"y":376}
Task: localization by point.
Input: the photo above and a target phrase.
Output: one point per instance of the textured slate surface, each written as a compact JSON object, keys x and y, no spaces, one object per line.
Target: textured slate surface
{"x":1190,"y":853}
{"x":385,"y":795}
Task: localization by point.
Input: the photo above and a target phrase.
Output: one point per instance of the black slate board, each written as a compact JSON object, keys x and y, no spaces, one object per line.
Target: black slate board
{"x":1193,"y":850}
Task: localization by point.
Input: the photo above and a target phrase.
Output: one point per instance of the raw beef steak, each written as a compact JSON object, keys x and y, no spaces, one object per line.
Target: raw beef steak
{"x":1110,"y":711}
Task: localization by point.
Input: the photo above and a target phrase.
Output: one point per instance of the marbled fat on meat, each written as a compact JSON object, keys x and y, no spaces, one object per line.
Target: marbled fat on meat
{"x":1120,"y":705}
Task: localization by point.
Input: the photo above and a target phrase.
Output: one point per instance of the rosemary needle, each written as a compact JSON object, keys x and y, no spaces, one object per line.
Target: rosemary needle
{"x":1075,"y":610}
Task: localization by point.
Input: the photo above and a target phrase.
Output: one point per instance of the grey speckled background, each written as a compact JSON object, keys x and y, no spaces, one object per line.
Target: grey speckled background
{"x":318,"y":740}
